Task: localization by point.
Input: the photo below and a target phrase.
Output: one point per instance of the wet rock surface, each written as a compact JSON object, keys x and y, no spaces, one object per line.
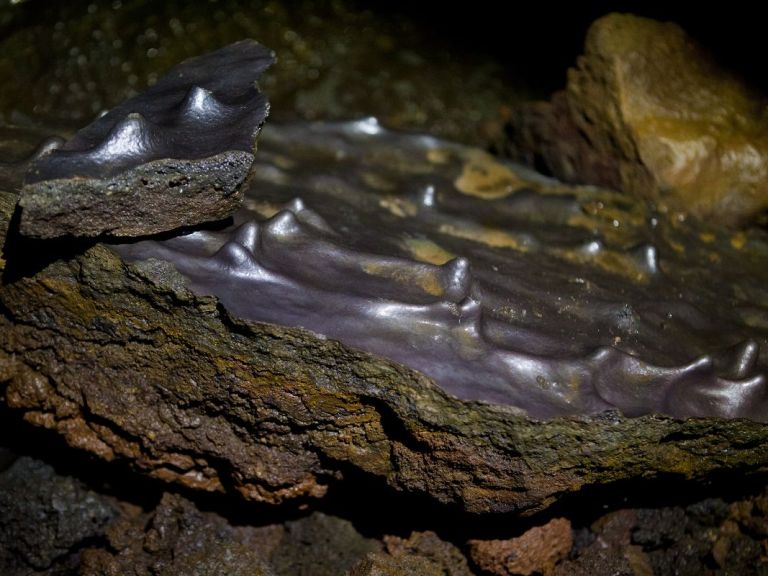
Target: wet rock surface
{"x":648,"y":111}
{"x":171,"y":157}
{"x":430,"y":262}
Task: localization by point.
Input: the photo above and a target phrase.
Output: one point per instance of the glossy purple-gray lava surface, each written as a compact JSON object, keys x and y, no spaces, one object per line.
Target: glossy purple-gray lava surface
{"x":501,"y":285}
{"x":175,"y":155}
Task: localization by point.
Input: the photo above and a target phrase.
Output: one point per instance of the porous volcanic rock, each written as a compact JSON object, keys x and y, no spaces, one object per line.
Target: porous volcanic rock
{"x":46,"y":518}
{"x":710,"y":536}
{"x":177,"y":538}
{"x":320,"y":545}
{"x":421,"y":553}
{"x":648,"y":111}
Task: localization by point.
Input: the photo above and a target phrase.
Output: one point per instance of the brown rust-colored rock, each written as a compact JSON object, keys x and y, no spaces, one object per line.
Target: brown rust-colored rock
{"x":177,"y":538}
{"x":611,"y":550}
{"x":124,"y":362}
{"x":537,"y":551}
{"x":648,"y":111}
{"x":53,"y":519}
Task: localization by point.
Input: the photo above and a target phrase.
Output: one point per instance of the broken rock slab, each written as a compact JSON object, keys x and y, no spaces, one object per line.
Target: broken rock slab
{"x":128,"y":359}
{"x":648,"y":111}
{"x":173,"y":156}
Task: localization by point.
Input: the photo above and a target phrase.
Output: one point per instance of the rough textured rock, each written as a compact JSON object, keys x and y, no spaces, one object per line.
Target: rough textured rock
{"x":537,"y":551}
{"x":177,"y":538}
{"x":125,"y":361}
{"x":320,"y":545}
{"x":610,"y":550}
{"x":53,"y":525}
{"x":172,"y":156}
{"x":423,"y":553}
{"x":707,"y":537}
{"x":646,"y":110}
{"x":45,"y":518}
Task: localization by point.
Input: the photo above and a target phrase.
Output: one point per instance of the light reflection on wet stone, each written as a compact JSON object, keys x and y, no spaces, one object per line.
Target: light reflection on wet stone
{"x":502,"y":285}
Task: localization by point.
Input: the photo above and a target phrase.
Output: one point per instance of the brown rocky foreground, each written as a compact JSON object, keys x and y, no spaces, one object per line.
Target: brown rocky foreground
{"x":99,"y":523}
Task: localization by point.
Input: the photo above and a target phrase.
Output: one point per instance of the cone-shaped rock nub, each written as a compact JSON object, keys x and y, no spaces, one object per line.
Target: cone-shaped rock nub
{"x":283,"y":225}
{"x":247,"y":235}
{"x":200,"y":103}
{"x":457,"y":279}
{"x":746,"y":359}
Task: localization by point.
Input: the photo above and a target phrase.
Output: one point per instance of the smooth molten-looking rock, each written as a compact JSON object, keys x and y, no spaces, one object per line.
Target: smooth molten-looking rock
{"x":130,"y":358}
{"x":437,"y":263}
{"x":173,"y":156}
{"x":648,"y":111}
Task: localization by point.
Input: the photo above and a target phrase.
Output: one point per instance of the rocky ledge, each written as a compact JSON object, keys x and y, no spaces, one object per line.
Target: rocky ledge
{"x":129,"y":359}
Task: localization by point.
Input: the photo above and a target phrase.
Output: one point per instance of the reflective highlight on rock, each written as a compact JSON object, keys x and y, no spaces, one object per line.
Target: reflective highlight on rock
{"x":190,"y":137}
{"x":594,"y":306}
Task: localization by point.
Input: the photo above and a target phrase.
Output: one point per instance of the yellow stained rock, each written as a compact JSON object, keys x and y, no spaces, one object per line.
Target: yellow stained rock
{"x":686,"y":134}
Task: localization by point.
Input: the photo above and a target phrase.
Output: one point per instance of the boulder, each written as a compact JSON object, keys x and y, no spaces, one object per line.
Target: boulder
{"x":126,"y":362}
{"x":648,"y":111}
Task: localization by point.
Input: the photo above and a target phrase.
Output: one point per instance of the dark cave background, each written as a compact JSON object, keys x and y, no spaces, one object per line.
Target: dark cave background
{"x":537,"y":43}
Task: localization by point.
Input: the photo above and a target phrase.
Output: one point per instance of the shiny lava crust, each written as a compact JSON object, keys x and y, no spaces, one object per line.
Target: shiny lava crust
{"x":173,"y":156}
{"x":501,"y":285}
